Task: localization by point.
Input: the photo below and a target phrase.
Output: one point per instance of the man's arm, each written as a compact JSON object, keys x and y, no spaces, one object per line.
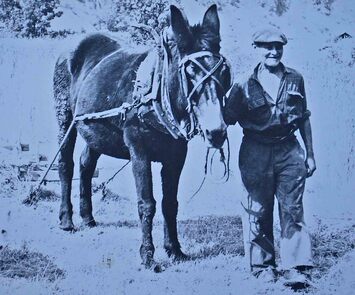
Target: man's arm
{"x":306,"y":134}
{"x":234,"y":107}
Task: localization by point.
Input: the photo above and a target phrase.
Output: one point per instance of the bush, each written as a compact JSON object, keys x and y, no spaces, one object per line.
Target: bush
{"x":11,"y":15}
{"x":146,"y":12}
{"x":29,"y":18}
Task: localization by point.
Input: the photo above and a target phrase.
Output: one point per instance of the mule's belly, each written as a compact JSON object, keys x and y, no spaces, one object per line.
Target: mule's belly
{"x":104,"y":137}
{"x":107,"y":138}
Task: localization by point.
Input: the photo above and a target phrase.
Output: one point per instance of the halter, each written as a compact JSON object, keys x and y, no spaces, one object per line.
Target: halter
{"x":193,"y":58}
{"x":194,"y":127}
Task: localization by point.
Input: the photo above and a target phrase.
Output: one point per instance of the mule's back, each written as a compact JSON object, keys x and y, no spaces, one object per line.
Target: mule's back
{"x":89,"y":53}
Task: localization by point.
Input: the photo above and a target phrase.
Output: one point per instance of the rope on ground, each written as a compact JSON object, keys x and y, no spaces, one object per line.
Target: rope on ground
{"x":122,"y":110}
{"x":102,"y":186}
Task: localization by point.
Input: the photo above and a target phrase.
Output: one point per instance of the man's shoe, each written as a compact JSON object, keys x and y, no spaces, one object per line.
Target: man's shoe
{"x":295,"y":279}
{"x":266,"y":274}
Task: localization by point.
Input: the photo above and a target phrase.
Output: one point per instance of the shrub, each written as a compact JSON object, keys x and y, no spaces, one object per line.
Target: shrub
{"x":146,"y":12}
{"x":11,"y":15}
{"x":29,"y":18}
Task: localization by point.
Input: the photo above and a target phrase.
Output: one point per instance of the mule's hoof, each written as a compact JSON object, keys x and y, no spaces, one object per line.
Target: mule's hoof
{"x":158,"y":268}
{"x":89,"y":222}
{"x":154,"y":266}
{"x":67,"y":226}
{"x":177,"y":255}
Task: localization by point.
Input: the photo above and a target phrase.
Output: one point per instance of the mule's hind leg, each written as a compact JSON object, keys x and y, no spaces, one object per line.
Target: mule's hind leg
{"x":66,"y":171}
{"x":61,"y":90}
{"x":88,"y":161}
{"x":170,"y":174}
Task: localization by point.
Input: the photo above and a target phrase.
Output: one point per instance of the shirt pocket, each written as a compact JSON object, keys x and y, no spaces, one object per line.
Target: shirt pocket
{"x":295,"y":105}
{"x":259,"y":109}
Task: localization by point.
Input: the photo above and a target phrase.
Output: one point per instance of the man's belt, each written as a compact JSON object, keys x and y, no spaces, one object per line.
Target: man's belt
{"x":268,"y":138}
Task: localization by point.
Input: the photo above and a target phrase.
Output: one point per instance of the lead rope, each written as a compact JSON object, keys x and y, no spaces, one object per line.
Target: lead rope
{"x":204,"y":177}
{"x":226,"y":165}
{"x":33,"y":196}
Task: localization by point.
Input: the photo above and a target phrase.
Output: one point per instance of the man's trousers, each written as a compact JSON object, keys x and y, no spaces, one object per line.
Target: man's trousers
{"x":270,"y":170}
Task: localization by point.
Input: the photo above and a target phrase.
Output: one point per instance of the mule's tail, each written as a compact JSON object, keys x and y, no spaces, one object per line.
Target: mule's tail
{"x":61,"y":90}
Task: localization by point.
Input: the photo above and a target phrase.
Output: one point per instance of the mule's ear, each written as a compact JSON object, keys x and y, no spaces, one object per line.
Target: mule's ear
{"x":181,"y":28}
{"x":211,"y":21}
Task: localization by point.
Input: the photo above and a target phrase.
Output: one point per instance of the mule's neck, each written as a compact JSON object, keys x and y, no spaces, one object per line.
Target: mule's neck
{"x":177,"y":97}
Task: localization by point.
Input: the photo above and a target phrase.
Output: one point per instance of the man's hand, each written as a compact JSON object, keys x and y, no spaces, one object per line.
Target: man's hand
{"x":311,"y":166}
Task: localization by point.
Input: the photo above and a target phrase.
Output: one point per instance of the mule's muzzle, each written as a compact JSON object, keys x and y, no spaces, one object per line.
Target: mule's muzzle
{"x":216,"y":137}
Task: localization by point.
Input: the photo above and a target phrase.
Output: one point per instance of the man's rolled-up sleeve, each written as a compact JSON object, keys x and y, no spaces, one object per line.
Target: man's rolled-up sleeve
{"x":306,"y":111}
{"x":233,"y":108}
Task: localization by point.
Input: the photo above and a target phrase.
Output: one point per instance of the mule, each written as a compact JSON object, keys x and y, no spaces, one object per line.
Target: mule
{"x":98,"y":76}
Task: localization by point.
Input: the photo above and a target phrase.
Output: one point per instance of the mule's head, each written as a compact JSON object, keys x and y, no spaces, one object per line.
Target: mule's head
{"x":204,"y":74}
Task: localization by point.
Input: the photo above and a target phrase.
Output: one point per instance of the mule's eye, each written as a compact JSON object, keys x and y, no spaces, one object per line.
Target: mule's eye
{"x":224,"y":70}
{"x":224,"y":67}
{"x":190,"y":69}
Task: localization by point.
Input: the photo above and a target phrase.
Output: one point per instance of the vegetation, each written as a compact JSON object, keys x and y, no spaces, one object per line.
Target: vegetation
{"x":22,"y":263}
{"x":29,"y":18}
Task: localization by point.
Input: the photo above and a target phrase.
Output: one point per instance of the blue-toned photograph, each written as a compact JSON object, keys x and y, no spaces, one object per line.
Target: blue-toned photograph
{"x":177,"y":147}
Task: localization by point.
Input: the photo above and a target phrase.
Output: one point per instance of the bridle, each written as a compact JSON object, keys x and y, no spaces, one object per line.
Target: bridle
{"x":194,"y":127}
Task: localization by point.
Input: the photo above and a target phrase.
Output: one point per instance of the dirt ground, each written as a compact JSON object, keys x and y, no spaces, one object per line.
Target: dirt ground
{"x":105,"y":259}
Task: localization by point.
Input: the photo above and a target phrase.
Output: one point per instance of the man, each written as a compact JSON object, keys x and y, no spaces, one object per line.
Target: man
{"x":270,"y":106}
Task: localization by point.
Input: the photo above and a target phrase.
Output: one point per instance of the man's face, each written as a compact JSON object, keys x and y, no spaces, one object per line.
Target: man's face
{"x":270,"y":53}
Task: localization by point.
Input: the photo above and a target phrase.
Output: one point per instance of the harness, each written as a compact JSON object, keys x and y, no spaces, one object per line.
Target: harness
{"x":163,"y":112}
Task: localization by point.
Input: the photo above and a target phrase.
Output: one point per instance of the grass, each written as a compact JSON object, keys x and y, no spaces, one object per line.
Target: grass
{"x":9,"y":181}
{"x":22,"y":263}
{"x":329,"y":244}
{"x":213,"y":235}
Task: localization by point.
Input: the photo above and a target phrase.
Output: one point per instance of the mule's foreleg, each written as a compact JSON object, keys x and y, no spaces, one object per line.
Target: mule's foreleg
{"x":146,"y":206}
{"x":66,"y":171}
{"x":88,"y":161}
{"x":170,"y":174}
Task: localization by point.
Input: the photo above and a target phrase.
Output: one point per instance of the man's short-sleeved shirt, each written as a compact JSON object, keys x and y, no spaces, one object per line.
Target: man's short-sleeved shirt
{"x":258,"y":113}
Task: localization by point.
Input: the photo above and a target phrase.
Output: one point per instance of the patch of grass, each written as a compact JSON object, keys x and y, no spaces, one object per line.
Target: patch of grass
{"x":125,"y":223}
{"x":9,"y":181}
{"x":329,"y":244}
{"x":37,"y":194}
{"x":23,"y":263}
{"x":44,"y":194}
{"x":213,"y":235}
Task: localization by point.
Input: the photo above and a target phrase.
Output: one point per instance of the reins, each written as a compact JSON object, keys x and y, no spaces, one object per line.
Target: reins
{"x":226,"y":164}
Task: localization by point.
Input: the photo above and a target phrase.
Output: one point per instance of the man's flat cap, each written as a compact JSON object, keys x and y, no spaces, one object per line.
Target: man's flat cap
{"x":268,"y":36}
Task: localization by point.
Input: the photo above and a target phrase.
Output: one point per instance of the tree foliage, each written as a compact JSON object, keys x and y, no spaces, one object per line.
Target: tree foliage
{"x":29,"y":18}
{"x":147,"y":12}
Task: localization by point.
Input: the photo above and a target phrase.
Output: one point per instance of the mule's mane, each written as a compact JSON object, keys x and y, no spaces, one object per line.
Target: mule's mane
{"x":205,"y":39}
